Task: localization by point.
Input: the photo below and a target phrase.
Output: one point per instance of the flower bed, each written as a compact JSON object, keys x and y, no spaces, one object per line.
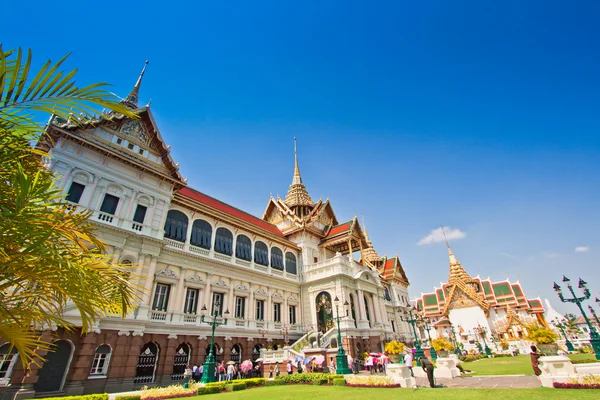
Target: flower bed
{"x":371,"y":381}
{"x":559,"y":385}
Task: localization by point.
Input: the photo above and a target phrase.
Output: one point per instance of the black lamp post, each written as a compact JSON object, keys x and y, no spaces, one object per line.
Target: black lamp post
{"x":214,"y":320}
{"x":341,"y":357}
{"x":426,"y":326}
{"x":412,"y":320}
{"x":594,"y":336}
{"x":594,"y":314}
{"x":561,"y":326}
{"x":456,"y":346}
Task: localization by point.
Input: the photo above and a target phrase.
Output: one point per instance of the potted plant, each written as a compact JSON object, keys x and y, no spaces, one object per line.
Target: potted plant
{"x":504,"y":344}
{"x":395,"y":349}
{"x":544,"y":338}
{"x":442,"y":346}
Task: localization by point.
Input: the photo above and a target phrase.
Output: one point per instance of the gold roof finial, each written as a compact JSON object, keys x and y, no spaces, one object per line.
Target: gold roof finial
{"x":450,"y":253}
{"x":133,"y":96}
{"x":297,"y":194}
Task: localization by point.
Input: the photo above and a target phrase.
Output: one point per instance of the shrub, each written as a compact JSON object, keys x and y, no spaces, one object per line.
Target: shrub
{"x":220,"y":385}
{"x":394,"y":347}
{"x":504,"y":344}
{"x":130,"y":397}
{"x":370,"y":381}
{"x":275,"y":382}
{"x":441,"y":344}
{"x":540,"y":335}
{"x":584,"y":361}
{"x":208,"y":390}
{"x":103,"y":396}
{"x":303,"y":378}
{"x":332,"y":377}
{"x":470,"y":357}
{"x":234,"y":387}
{"x":252,"y":382}
{"x":320,"y":381}
{"x":339,"y":382}
{"x":500,"y":355}
{"x":169,"y":392}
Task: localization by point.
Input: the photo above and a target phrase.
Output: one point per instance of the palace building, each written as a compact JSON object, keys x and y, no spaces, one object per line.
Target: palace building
{"x":475,"y":309}
{"x":274,"y":278}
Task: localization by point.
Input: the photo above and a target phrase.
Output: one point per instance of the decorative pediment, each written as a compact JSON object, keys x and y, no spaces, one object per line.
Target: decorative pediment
{"x":167,"y":273}
{"x":260,"y":292}
{"x":195,"y":279}
{"x":220,"y":283}
{"x":277,"y":295}
{"x":242,"y":288}
{"x":135,"y":130}
{"x":293,"y":298}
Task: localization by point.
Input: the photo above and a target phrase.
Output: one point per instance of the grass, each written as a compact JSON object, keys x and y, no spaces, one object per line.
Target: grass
{"x":293,"y":392}
{"x":519,"y":365}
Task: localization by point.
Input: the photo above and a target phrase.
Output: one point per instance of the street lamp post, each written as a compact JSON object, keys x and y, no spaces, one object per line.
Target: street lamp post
{"x":594,"y":336}
{"x":594,"y":314}
{"x":561,"y":326}
{"x":426,"y":326}
{"x":412,"y":320}
{"x":456,"y":346}
{"x":214,"y":320}
{"x":483,"y":333}
{"x":341,"y":359}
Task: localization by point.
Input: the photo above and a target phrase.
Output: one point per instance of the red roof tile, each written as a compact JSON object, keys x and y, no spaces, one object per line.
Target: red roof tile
{"x":339,"y":228}
{"x":226,"y":208}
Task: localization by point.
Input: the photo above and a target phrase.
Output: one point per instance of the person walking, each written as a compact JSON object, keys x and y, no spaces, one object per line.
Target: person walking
{"x":408,"y":360}
{"x":428,"y":368}
{"x":289,"y":368}
{"x":535,"y":361}
{"x":270,"y":372}
{"x":276,"y":370}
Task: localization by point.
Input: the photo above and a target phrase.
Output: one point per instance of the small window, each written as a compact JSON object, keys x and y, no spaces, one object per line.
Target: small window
{"x":7,"y":362}
{"x":130,"y":146}
{"x":292,"y":314}
{"x":161,"y":297}
{"x":75,"y":192}
{"x":277,"y":312}
{"x":261,"y":254}
{"x":276,"y":258}
{"x":260,"y":310}
{"x":290,"y":263}
{"x":217,"y":304}
{"x":141,"y":151}
{"x":101,"y":360}
{"x":240,"y":307}
{"x":140,"y":214}
{"x":119,"y":141}
{"x":191,"y":301}
{"x":109,"y":204}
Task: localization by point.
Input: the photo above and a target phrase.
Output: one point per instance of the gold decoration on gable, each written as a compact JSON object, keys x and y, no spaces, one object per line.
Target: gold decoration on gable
{"x":135,"y":130}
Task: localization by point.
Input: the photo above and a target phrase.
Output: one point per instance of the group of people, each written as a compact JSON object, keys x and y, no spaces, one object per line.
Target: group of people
{"x":375,"y":364}
{"x":228,"y":372}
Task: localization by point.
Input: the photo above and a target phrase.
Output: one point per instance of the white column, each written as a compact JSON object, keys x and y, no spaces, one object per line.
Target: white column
{"x":207,"y":294}
{"x":361,"y":305}
{"x":148,"y":284}
{"x":285,"y":317}
{"x":230,"y":301}
{"x":179,"y":293}
{"x":250,"y":305}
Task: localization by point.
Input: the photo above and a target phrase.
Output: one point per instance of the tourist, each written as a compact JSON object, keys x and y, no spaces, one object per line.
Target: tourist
{"x":289,"y":368}
{"x":200,"y":372}
{"x":332,"y":363}
{"x":408,"y":360}
{"x":270,"y":372}
{"x":428,"y":368}
{"x":196,"y":373}
{"x":230,"y":372}
{"x":221,"y":371}
{"x":535,"y":357}
{"x":276,"y":370}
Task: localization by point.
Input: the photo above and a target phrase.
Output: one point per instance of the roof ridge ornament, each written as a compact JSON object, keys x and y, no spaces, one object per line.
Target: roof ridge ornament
{"x":132,"y":98}
{"x":297,"y":194}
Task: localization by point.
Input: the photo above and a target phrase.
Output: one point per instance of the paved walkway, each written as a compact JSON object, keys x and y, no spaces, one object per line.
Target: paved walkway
{"x":487,"y":382}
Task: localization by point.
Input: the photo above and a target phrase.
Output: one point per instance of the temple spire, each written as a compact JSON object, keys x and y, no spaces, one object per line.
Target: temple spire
{"x":132,"y":98}
{"x":297,"y":194}
{"x":450,"y":253}
{"x":457,"y":272}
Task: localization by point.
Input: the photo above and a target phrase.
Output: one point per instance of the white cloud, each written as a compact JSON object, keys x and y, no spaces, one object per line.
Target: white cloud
{"x":437,"y":235}
{"x":582,"y":249}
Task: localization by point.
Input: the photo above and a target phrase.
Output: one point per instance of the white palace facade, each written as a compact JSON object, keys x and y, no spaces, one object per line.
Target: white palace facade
{"x":277,"y":276}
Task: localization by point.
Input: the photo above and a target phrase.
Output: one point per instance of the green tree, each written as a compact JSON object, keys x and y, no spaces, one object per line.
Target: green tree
{"x":49,"y":255}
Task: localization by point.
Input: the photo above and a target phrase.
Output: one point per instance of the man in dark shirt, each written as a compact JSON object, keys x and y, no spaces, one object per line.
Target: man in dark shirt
{"x":428,"y":368}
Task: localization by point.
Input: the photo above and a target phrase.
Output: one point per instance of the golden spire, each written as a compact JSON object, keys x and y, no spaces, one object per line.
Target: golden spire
{"x":132,"y":99}
{"x":297,"y":195}
{"x":369,"y":253}
{"x":457,"y":272}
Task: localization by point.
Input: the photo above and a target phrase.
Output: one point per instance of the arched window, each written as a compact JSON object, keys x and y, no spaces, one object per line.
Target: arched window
{"x":147,"y":361}
{"x":276,"y":258}
{"x":243,"y":248}
{"x":224,"y":241}
{"x":290,"y":263}
{"x":8,"y":359}
{"x":101,"y":360}
{"x":176,"y":226}
{"x":180,"y":361}
{"x":236,"y":353}
{"x":386,"y":294}
{"x":367,"y":304}
{"x":261,"y":254}
{"x":201,"y":234}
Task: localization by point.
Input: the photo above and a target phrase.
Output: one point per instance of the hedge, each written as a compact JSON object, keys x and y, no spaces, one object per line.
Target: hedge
{"x":306,"y":378}
{"x":220,"y":385}
{"x":584,"y":361}
{"x":234,"y":387}
{"x":339,"y":382}
{"x":275,"y":382}
{"x":320,"y":381}
{"x":208,"y":390}
{"x":332,"y":377}
{"x":559,"y":385}
{"x":103,"y":396}
{"x":128,"y":397}
{"x":252,"y":382}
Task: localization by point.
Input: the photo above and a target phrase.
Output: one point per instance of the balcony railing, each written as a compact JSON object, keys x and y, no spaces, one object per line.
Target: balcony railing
{"x":158,"y":316}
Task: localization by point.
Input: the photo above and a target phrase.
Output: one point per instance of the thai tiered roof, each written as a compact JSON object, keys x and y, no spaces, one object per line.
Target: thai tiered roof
{"x":297,"y":194}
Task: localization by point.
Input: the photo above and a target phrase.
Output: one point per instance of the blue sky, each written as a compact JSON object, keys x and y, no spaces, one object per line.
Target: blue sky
{"x":481,"y":116}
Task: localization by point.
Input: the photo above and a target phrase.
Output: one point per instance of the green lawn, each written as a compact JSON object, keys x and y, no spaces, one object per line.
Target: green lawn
{"x":519,"y":365}
{"x":293,"y":392}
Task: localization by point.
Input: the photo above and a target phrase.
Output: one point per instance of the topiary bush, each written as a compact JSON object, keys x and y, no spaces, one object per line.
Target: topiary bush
{"x":209,"y":390}
{"x":275,"y":382}
{"x":339,"y":382}
{"x":320,"y":381}
{"x":220,"y":385}
{"x":129,"y":397}
{"x":102,"y":396}
{"x":234,"y":387}
{"x":331,"y":377}
{"x":252,"y":382}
